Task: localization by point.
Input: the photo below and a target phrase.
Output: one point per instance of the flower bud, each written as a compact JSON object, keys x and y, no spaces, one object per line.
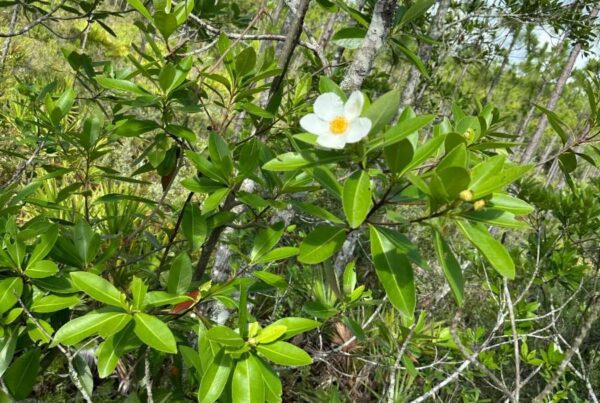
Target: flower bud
{"x":478,"y":205}
{"x":466,"y":195}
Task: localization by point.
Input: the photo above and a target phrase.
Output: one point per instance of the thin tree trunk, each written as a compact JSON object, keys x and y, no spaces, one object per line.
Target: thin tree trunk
{"x":424,"y":52}
{"x":6,"y":47}
{"x":505,"y":60}
{"x":529,"y":152}
{"x":328,"y":30}
{"x":381,"y":22}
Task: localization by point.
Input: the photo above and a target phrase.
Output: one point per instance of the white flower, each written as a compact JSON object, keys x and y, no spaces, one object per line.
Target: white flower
{"x":336,"y":123}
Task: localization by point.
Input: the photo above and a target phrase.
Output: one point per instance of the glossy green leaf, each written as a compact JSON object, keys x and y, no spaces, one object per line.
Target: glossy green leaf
{"x":356,"y":198}
{"x":394,"y":272}
{"x":20,"y":377}
{"x":321,"y":244}
{"x":154,"y":332}
{"x":180,"y":275}
{"x":41,"y":269}
{"x":225,"y":336}
{"x":284,"y":353}
{"x":247,"y":384}
{"x":450,"y":267}
{"x":98,"y":288}
{"x":493,"y":250}
{"x":215,"y":378}
{"x":10,"y":290}
{"x":53,"y":303}
{"x":382,"y":111}
{"x":266,"y":240}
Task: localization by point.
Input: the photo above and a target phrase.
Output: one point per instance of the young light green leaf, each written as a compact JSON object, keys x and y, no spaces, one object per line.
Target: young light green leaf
{"x":247,"y":385}
{"x":270,"y":333}
{"x":41,"y":269}
{"x":225,"y":336}
{"x":296,"y":325}
{"x":10,"y":289}
{"x":284,"y":353}
{"x":266,"y":240}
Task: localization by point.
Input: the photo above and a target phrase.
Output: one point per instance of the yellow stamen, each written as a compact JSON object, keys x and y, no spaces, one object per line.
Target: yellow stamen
{"x":338,"y":125}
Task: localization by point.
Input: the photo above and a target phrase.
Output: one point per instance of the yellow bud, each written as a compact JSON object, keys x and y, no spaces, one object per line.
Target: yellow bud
{"x":479,"y":204}
{"x":466,"y":195}
{"x":470,"y":135}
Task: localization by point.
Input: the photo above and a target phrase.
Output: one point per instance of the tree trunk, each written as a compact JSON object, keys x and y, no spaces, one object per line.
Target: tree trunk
{"x":505,"y":60}
{"x":383,"y":16}
{"x":6,"y":47}
{"x":424,"y":52}
{"x":560,"y":84}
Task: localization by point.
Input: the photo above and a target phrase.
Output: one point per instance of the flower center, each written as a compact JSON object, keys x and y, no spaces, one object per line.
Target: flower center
{"x":338,"y":125}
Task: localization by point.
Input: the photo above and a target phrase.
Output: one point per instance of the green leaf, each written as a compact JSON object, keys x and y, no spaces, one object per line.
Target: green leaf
{"x":78,"y":329}
{"x":247,"y":385}
{"x":120,"y":85}
{"x":399,"y":132}
{"x":166,"y":23}
{"x":21,"y":376}
{"x":41,"y":269}
{"x":138,"y":292}
{"x":296,"y":325}
{"x":194,"y":226}
{"x":86,"y":241}
{"x":134,"y":127}
{"x":326,"y":84}
{"x":98,"y":288}
{"x":225,"y":336}
{"x":111,"y":350}
{"x":383,"y":110}
{"x":153,"y":332}
{"x":394,"y":272}
{"x":266,"y":240}
{"x":180,"y":275}
{"x":160,"y":298}
{"x":350,"y":37}
{"x":44,"y":246}
{"x":53,"y":303}
{"x":10,"y":290}
{"x":415,"y":11}
{"x":271,"y":279}
{"x":423,"y":152}
{"x":556,"y":123}
{"x":139,"y":6}
{"x":317,"y":211}
{"x":273,"y":388}
{"x":220,"y":154}
{"x":8,"y":343}
{"x":215,"y":378}
{"x":321,"y":244}
{"x":284,"y":353}
{"x":270,"y":334}
{"x":245,"y":61}
{"x":450,"y":266}
{"x":293,"y":160}
{"x":496,"y":217}
{"x":493,"y":250}
{"x":511,"y":204}
{"x":278,"y":254}
{"x":356,"y":198}
{"x":398,"y":155}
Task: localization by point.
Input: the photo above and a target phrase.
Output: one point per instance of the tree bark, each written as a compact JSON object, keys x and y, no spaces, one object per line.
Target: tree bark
{"x":529,"y":152}
{"x":424,"y":52}
{"x":381,"y":22}
{"x":6,"y":47}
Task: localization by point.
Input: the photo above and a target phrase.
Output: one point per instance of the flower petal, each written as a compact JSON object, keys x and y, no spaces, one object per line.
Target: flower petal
{"x":328,"y":106}
{"x":313,"y":124}
{"x":358,"y":129}
{"x":332,"y":141}
{"x":354,"y":105}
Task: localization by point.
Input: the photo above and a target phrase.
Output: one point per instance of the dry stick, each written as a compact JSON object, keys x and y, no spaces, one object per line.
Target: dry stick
{"x":499,"y":385}
{"x":147,"y":378}
{"x":383,"y":16}
{"x":24,"y":166}
{"x":392,"y":386}
{"x":65,"y":351}
{"x":515,"y":335}
{"x":585,"y":329}
{"x":34,"y":23}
